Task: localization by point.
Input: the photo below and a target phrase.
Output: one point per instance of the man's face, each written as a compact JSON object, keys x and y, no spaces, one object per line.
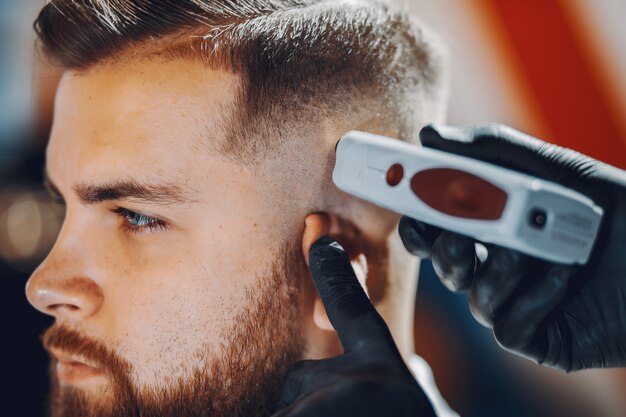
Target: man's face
{"x":171,"y":275}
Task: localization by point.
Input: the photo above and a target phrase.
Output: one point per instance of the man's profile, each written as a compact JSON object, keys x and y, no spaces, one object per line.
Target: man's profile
{"x":191,"y":139}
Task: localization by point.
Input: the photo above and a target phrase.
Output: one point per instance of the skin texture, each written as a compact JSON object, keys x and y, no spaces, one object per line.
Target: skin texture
{"x":167,"y":301}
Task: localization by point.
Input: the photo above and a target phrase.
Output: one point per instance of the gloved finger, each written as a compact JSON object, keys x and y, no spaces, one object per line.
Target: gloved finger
{"x":350,"y":397}
{"x":516,"y":329}
{"x":310,"y":405}
{"x":309,"y":375}
{"x":454,"y":260}
{"x":356,"y":321}
{"x":417,"y":237}
{"x":494,"y":283}
{"x":507,"y":147}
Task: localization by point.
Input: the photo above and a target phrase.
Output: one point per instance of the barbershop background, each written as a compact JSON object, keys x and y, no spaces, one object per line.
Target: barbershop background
{"x":553,"y":68}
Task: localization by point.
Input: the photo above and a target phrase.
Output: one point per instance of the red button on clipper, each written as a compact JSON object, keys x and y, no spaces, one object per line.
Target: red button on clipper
{"x":395,"y":173}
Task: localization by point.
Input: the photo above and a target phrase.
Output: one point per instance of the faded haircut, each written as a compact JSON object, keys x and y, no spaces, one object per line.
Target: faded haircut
{"x":298,"y":61}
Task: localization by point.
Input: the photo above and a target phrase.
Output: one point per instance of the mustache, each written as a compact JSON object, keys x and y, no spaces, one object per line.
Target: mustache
{"x":71,"y":342}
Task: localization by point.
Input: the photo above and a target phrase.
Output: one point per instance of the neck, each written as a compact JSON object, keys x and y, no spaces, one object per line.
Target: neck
{"x":398,"y":307}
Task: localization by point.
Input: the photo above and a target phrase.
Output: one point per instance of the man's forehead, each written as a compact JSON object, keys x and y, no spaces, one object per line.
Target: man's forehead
{"x":111,"y":162}
{"x":155,"y":101}
{"x":168,"y":76}
{"x":157,"y":114}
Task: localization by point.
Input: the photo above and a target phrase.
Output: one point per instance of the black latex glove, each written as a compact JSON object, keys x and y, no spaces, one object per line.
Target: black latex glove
{"x":564,"y":317}
{"x":370,"y":378}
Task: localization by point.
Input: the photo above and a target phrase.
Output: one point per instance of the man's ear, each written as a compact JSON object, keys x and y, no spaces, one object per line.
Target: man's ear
{"x":316,"y":225}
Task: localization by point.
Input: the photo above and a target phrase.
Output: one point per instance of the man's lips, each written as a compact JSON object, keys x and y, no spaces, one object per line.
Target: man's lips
{"x":72,"y":370}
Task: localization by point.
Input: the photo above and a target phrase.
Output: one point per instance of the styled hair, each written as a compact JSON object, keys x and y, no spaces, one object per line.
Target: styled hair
{"x":297,"y":60}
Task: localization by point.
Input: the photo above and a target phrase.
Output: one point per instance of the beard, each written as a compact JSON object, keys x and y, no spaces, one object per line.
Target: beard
{"x":244,"y":379}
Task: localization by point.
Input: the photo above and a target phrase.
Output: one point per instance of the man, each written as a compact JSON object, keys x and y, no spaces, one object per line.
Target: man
{"x":192,"y":140}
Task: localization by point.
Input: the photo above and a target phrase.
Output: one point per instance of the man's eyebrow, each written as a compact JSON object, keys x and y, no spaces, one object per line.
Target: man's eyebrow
{"x":159,"y":194}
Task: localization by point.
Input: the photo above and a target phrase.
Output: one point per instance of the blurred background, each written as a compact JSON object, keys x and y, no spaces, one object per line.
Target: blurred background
{"x":552,"y":68}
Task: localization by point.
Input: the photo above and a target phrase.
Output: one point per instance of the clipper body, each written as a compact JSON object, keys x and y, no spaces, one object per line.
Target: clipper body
{"x":486,"y":202}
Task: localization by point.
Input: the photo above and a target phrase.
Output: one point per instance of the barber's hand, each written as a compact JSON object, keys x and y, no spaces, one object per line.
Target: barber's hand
{"x":564,"y":317}
{"x":370,"y":379}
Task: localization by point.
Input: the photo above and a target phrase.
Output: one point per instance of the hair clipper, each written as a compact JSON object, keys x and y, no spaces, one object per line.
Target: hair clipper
{"x":486,"y":202}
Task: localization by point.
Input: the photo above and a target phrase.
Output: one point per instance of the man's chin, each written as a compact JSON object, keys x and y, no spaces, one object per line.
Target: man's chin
{"x":84,"y":400}
{"x":91,"y":397}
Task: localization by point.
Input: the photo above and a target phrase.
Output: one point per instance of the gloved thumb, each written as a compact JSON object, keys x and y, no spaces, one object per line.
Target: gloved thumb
{"x":508,"y":148}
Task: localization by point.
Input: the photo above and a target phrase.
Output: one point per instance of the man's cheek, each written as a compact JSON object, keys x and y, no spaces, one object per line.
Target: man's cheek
{"x":166,"y":329}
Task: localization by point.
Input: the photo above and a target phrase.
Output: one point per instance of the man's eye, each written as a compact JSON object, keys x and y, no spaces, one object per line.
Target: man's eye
{"x":137,"y":222}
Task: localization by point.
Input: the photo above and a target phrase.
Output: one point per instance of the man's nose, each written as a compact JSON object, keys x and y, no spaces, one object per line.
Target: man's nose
{"x":64,"y":294}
